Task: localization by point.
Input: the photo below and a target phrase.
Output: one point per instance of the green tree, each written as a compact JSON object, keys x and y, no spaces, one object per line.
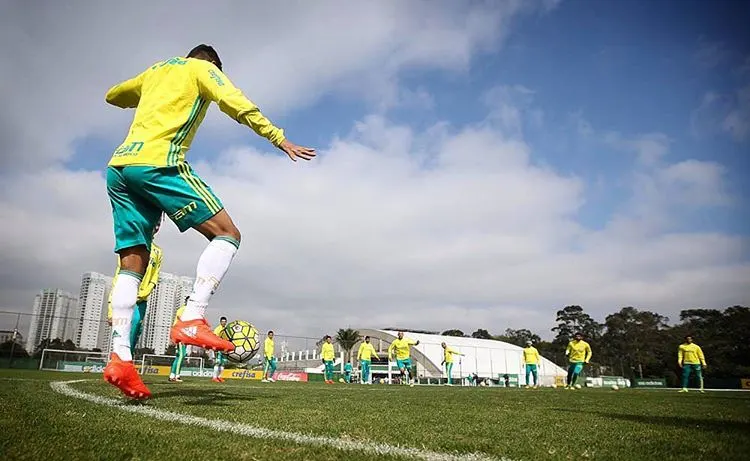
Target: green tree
{"x":453,"y":333}
{"x":347,"y":338}
{"x":572,"y":319}
{"x":634,"y":343}
{"x":519,"y":337}
{"x":482,"y":334}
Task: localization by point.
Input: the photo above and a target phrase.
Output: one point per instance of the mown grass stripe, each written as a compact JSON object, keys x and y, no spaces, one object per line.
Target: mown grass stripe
{"x":367,"y":447}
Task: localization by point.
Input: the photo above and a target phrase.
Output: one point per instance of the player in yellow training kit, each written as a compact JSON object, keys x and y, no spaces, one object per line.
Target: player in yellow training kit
{"x":148,"y":175}
{"x":147,"y":285}
{"x":448,"y":354}
{"x":269,"y":359}
{"x":691,"y":359}
{"x":364,"y":355}
{"x":328,"y":356}
{"x":579,"y":353}
{"x":531,"y":362}
{"x":219,"y":359}
{"x":403,"y":355}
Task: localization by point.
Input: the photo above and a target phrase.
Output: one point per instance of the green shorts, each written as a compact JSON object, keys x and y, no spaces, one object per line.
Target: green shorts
{"x":139,"y":194}
{"x":406,"y":363}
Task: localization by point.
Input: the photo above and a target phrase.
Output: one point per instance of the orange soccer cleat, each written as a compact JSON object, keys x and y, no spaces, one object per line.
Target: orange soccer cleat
{"x":198,"y":333}
{"x":221,"y":380}
{"x":124,"y":376}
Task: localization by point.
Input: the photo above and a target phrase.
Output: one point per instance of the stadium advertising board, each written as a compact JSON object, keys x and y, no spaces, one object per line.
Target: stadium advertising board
{"x":300,"y":376}
{"x":745,"y":383}
{"x":650,"y":382}
{"x":81,"y":367}
{"x":239,"y":373}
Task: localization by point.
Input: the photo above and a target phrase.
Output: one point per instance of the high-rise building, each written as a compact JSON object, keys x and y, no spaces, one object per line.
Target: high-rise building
{"x":168,"y":295}
{"x":92,"y":311}
{"x":53,"y":316}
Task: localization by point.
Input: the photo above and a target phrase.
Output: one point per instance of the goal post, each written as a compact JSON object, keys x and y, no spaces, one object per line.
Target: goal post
{"x":150,"y":360}
{"x":75,"y":361}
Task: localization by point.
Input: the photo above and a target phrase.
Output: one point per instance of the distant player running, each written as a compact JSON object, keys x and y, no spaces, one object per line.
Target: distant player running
{"x":691,"y":359}
{"x":148,"y":175}
{"x":147,"y":285}
{"x":180,"y":350}
{"x":328,"y":355}
{"x":269,"y":360}
{"x":219,"y":359}
{"x":579,"y":353}
{"x":531,"y":361}
{"x":402,"y":347}
{"x":448,"y":354}
{"x":364,"y":355}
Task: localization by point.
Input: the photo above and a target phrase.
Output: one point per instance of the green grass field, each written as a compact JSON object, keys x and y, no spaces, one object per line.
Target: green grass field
{"x":182,"y":421}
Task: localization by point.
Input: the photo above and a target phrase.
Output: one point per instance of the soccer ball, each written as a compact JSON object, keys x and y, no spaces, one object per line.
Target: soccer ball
{"x":382,"y":381}
{"x":341,"y":380}
{"x":244,"y":336}
{"x":578,"y":386}
{"x":615,"y":387}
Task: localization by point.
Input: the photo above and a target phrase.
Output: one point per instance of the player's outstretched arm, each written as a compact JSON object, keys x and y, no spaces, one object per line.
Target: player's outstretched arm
{"x":127,"y":94}
{"x":216,"y":86}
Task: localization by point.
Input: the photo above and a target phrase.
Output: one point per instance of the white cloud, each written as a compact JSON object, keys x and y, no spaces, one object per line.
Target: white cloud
{"x":455,"y":226}
{"x":365,"y":236}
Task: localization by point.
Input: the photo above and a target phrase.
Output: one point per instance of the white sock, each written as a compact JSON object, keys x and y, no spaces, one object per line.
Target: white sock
{"x":221,"y":370}
{"x":124,"y":297}
{"x":212,"y":266}
{"x":216,"y":371}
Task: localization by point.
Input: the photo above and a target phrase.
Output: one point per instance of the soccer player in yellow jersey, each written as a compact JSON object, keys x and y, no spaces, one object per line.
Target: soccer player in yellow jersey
{"x":148,"y":175}
{"x":179,"y":353}
{"x":448,"y":354}
{"x":579,"y":353}
{"x":364,"y":355}
{"x":328,"y":355}
{"x":531,"y":362}
{"x":691,"y":359}
{"x":147,"y":285}
{"x":402,"y":347}
{"x":219,"y":359}
{"x":269,"y":359}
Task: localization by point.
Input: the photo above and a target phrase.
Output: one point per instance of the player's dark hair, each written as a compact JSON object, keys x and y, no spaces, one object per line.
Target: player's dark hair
{"x":223,"y":318}
{"x":270,"y":332}
{"x":206,"y":52}
{"x":367,"y":337}
{"x":688,"y":336}
{"x":186,"y":298}
{"x":328,"y":337}
{"x":578,"y":333}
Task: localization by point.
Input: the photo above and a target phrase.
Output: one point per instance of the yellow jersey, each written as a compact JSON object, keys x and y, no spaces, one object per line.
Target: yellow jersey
{"x":402,"y":348}
{"x":326,"y":352}
{"x":530,"y":355}
{"x":149,"y":281}
{"x":366,"y":352}
{"x":171,"y":99}
{"x":578,"y":351}
{"x":221,"y":331}
{"x":690,"y":354}
{"x":178,"y":314}
{"x":268,"y":348}
{"x":448,"y":354}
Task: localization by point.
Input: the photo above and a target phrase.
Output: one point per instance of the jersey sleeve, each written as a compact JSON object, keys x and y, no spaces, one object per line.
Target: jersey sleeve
{"x":126,"y":94}
{"x":587,"y":356}
{"x":701,"y":357}
{"x":215,"y":86}
{"x":680,"y":355}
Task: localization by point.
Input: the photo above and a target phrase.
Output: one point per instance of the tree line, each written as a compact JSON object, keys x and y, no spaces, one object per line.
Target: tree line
{"x":639,"y":343}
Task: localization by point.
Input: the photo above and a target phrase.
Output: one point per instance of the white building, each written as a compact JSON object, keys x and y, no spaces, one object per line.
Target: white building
{"x":53,"y":316}
{"x":92,"y":311}
{"x":167,"y":297}
{"x":487,"y":358}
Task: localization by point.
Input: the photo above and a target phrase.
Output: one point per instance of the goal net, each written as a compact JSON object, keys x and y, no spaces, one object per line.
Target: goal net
{"x":75,"y":361}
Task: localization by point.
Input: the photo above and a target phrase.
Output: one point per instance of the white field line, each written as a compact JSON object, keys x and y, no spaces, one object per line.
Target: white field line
{"x":367,"y":447}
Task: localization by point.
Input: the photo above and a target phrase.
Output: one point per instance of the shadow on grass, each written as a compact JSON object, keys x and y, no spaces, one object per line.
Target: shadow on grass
{"x":684,"y":422}
{"x":213,"y":397}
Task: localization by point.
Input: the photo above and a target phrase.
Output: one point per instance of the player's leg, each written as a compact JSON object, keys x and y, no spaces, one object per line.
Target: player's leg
{"x":535,"y":374}
{"x":699,"y":373}
{"x":266,"y":366}
{"x":222,"y":362}
{"x":190,"y":203}
{"x":366,"y":378}
{"x":449,"y":372}
{"x":685,"y":377}
{"x":134,"y":220}
{"x":569,"y":377}
{"x":528,"y":375}
{"x":271,"y":369}
{"x":139,"y":313}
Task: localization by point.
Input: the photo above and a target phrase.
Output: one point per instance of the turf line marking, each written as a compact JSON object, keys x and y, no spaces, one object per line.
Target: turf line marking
{"x":371,"y":448}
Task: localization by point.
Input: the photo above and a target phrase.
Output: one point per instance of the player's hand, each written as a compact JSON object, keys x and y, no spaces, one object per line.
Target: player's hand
{"x":294,"y":151}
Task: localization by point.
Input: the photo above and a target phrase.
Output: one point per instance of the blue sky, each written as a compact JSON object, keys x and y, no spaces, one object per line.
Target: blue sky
{"x":616,"y":132}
